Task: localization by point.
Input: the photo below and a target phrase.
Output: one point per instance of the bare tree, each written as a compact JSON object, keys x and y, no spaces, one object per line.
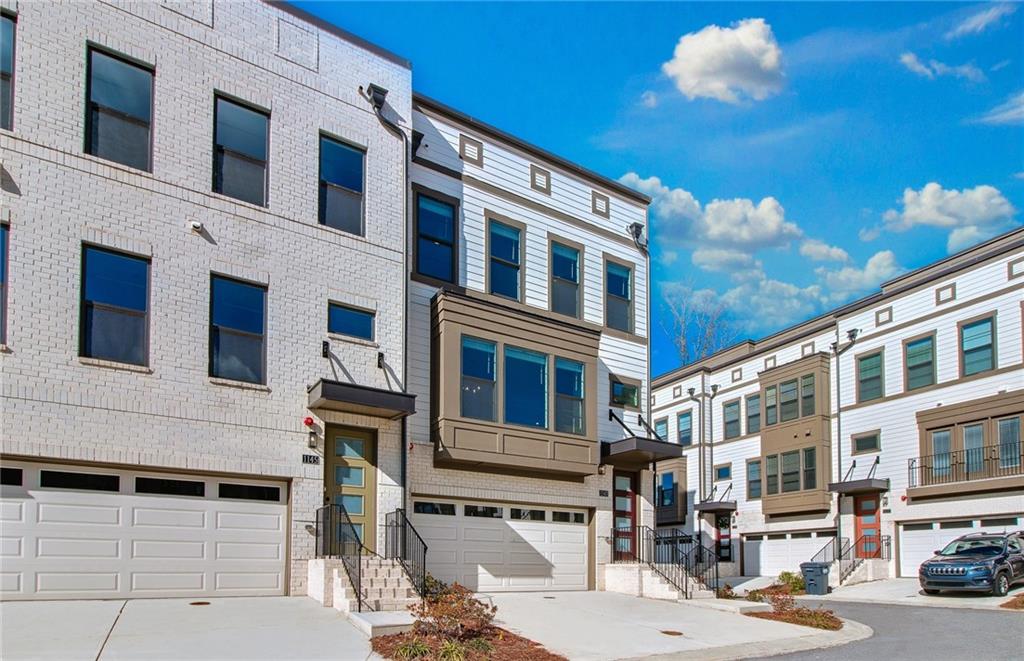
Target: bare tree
{"x":696,"y":321}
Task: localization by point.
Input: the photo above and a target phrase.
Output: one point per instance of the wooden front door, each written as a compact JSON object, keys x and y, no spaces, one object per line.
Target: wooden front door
{"x":867,"y":528}
{"x":624,"y":516}
{"x":350,"y":477}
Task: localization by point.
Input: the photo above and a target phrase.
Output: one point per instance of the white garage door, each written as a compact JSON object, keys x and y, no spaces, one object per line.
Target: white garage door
{"x":72,"y":532}
{"x":490,"y":547}
{"x":918,"y":541}
{"x":772,"y":554}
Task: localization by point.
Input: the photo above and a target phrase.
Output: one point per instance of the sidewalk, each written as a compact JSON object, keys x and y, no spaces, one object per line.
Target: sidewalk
{"x":907,"y":592}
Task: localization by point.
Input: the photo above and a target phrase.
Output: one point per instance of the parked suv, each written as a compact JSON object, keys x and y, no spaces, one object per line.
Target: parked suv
{"x":981,"y":562}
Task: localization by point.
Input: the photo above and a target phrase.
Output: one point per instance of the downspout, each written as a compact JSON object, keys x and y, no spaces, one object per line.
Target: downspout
{"x":839,"y":351}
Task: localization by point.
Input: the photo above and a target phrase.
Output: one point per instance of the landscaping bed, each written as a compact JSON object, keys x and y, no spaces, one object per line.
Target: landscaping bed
{"x":784,"y":609}
{"x":1015,"y":604}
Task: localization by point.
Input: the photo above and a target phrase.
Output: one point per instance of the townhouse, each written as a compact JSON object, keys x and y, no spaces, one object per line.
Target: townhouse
{"x":249,"y":281}
{"x":892,"y":423}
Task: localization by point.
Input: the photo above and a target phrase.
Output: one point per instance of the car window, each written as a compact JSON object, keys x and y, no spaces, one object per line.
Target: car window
{"x":973,"y":547}
{"x":1015,"y":546}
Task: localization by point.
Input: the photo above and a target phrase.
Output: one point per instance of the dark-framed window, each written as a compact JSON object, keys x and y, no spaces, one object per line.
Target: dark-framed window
{"x":869,"y":442}
{"x":626,"y":395}
{"x":341,"y":185}
{"x":919,"y":359}
{"x":51,"y":479}
{"x":237,"y":330}
{"x":771,"y":405}
{"x":661,"y":428}
{"x":351,"y":321}
{"x":11,"y":477}
{"x":7,"y":34}
{"x":240,"y":147}
{"x":754,"y":480}
{"x":436,"y":254}
{"x":114,"y":322}
{"x":810,"y":469}
{"x":790,"y":471}
{"x":723,"y":472}
{"x":570,"y":386}
{"x":667,"y":490}
{"x":119,"y":116}
{"x":440,"y":509}
{"x":504,"y":261}
{"x":731,"y":415}
{"x":806,"y":395}
{"x":788,"y":401}
{"x":479,"y":374}
{"x":565,"y":279}
{"x":4,"y":240}
{"x":520,"y":514}
{"x":170,"y":487}
{"x":771,"y":474}
{"x":869,"y":377}
{"x":977,"y":346}
{"x":248,"y":492}
{"x":684,"y":428}
{"x":526,"y":375}
{"x":753,"y":413}
{"x":618,"y":300}
{"x":483,"y":511}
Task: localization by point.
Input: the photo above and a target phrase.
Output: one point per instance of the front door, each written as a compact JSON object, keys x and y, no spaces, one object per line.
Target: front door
{"x":624,"y":516}
{"x":723,"y":537}
{"x":867,"y":528}
{"x":350,"y":478}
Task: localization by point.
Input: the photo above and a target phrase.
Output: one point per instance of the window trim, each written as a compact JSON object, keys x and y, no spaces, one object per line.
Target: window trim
{"x":814,"y":394}
{"x":877,"y":433}
{"x":774,"y":388}
{"x":13,"y":18}
{"x":879,"y":351}
{"x":217,"y":94}
{"x":264,"y":335}
{"x":538,"y":170}
{"x":581,"y":249}
{"x":497,"y":398}
{"x":355,"y":308}
{"x":417,"y":191}
{"x":906,"y":366}
{"x":610,"y":259}
{"x":796,"y":400}
{"x":493,"y":217}
{"x":548,"y":389}
{"x":688,"y":413}
{"x":87,"y":245}
{"x":992,"y":314}
{"x":626,"y":381}
{"x":760,"y":479}
{"x":5,"y":270}
{"x":554,"y":394}
{"x":655,"y":427}
{"x":465,"y":140}
{"x":747,"y":411}
{"x":739,"y":418}
{"x":321,"y":135}
{"x":90,"y":48}
{"x":714,"y":472}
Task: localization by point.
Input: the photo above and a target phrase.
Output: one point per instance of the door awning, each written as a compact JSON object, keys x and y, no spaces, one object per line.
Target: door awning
{"x":636,"y":452}
{"x":364,"y":400}
{"x":715,"y":506}
{"x":857,"y":487}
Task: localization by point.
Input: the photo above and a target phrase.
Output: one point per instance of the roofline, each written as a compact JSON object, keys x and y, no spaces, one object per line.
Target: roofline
{"x":320,"y":23}
{"x":494,"y":132}
{"x":817,"y":324}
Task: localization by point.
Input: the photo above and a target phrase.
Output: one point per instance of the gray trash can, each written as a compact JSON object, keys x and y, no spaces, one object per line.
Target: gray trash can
{"x":815,"y":577}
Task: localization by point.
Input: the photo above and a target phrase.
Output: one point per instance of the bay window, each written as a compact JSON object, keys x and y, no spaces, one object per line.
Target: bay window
{"x":478,"y":379}
{"x":526,"y":379}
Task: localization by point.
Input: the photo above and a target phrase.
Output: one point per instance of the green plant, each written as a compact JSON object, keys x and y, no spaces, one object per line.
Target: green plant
{"x":453,"y":615}
{"x":451,"y":650}
{"x":480,"y":645}
{"x":433,"y":588}
{"x":756,"y":595}
{"x":793,"y":582}
{"x":412,"y":649}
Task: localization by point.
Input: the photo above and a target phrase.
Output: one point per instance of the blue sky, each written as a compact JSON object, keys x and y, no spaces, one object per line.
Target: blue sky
{"x":798,"y":154}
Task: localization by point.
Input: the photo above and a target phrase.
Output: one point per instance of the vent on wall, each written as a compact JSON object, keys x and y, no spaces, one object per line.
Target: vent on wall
{"x":807,"y":349}
{"x":471,"y":151}
{"x":945,"y":294}
{"x":883,"y":316}
{"x":769,"y":362}
{"x":540,"y":179}
{"x":599,"y":204}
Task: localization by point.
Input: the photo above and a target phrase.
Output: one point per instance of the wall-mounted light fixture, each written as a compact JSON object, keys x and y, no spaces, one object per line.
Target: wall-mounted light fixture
{"x":325,"y":349}
{"x":380,"y":360}
{"x":312,"y":439}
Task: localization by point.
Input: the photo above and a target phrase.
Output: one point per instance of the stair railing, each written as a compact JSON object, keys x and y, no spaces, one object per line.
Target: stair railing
{"x":663,"y":551}
{"x":337,"y":537}
{"x":403,"y":543}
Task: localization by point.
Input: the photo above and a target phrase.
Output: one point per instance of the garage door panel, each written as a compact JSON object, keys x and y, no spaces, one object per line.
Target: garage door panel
{"x":10,"y":582}
{"x":10,"y":547}
{"x":771,"y":557}
{"x":243,"y":581}
{"x":248,"y":521}
{"x":573,"y":537}
{"x":168,"y":550}
{"x":71,"y":582}
{"x":101,"y":515}
{"x":168,"y":518}
{"x":528,"y":537}
{"x":64,"y":547}
{"x":248,"y":551}
{"x":12,"y":511}
{"x":192,"y":582}
{"x":918,"y":542}
{"x":479,"y":534}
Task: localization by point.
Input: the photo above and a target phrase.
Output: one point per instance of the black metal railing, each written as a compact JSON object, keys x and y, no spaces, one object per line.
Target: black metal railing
{"x":831,"y":551}
{"x":337,"y":537}
{"x":982,"y":463}
{"x":702,"y":566}
{"x":403,"y":543}
{"x":675,"y":556}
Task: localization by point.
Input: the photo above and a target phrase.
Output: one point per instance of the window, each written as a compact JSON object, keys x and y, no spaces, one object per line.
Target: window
{"x":771,"y":410}
{"x":974,"y":442}
{"x":941,"y":446}
{"x":248,"y":492}
{"x":341,"y":186}
{"x":11,"y":477}
{"x":435,"y":238}
{"x":919,"y":356}
{"x":788,"y":404}
{"x":4,"y":231}
{"x":977,"y":346}
{"x":867,"y":443}
{"x":6,"y":72}
{"x":345,"y":320}
{"x":753,"y":480}
{"x":441,"y":509}
{"x":731,"y":414}
{"x":120,"y":110}
{"x":684,"y":428}
{"x":237,"y":330}
{"x":478,"y":378}
{"x":661,"y":428}
{"x":526,"y":375}
{"x":569,"y":389}
{"x":790,"y":471}
{"x":483,"y":511}
{"x":619,"y":299}
{"x":568,"y":517}
{"x":625,"y":394}
{"x":869,"y":377}
{"x":1009,"y":442}
{"x":240,"y":151}
{"x":771,"y":474}
{"x":667,"y":490}
{"x":723,"y":472}
{"x":753,"y":413}
{"x":806,"y":395}
{"x":504,"y":260}
{"x":114,"y":312}
{"x":565,"y":280}
{"x":170,"y":487}
{"x":528,"y":515}
{"x":81,"y":481}
{"x":810,"y":466}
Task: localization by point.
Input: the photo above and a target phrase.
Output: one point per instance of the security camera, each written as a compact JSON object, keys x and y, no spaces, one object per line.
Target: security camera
{"x":196,"y":226}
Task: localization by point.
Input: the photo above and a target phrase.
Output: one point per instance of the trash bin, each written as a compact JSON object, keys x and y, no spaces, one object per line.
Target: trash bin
{"x":815,"y":577}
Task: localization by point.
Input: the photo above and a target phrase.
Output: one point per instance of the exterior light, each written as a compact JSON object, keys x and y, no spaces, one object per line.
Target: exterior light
{"x":308,"y":421}
{"x":312,"y":441}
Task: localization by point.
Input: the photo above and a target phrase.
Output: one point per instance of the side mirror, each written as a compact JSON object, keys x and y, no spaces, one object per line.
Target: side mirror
{"x":936,"y":552}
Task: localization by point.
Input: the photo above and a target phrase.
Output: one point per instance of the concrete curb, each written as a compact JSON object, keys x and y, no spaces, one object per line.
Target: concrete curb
{"x":851,"y":632}
{"x":895,"y":602}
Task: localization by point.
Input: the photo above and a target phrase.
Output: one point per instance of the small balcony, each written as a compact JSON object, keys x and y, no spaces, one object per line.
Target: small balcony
{"x":989,"y":468}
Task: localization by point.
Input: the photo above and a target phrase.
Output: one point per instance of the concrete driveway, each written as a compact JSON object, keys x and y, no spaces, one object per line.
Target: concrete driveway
{"x":907,"y":592}
{"x":602,"y":626}
{"x":235,"y":628}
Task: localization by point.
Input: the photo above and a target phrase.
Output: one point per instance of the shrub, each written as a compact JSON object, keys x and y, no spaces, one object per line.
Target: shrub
{"x":480,"y":645}
{"x":412,"y":649}
{"x":453,"y":615}
{"x":782,"y":602}
{"x":451,"y":650}
{"x":725,"y":592}
{"x":756,"y":595}
{"x":433,"y":588}
{"x":794,"y":583}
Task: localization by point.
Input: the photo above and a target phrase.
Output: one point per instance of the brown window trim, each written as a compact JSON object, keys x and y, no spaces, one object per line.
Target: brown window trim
{"x":655,"y":426}
{"x":594,"y":197}
{"x":568,"y":243}
{"x":537,"y":171}
{"x":853,"y":442}
{"x":746,"y":416}
{"x":856,"y":372}
{"x":994,"y":314}
{"x":737,"y":374}
{"x":1012,"y":265}
{"x":677,"y":391}
{"x":418,"y":190}
{"x":465,"y":140}
{"x":679,"y":414}
{"x":770,"y":362}
{"x":746,"y":477}
{"x":714,"y":472}
{"x":806,"y":349}
{"x":491,"y":217}
{"x":631,"y":333}
{"x":935,"y":361}
{"x":883,"y":316}
{"x":627,"y":381}
{"x":739,"y":417}
{"x":940,"y":299}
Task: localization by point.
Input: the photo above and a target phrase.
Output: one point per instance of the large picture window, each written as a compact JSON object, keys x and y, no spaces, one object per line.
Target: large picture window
{"x":237,"y":330}
{"x":619,"y":297}
{"x":478,"y":379}
{"x":120,"y":112}
{"x":565,"y":280}
{"x":341,"y":186}
{"x":435,"y":238}
{"x":526,"y":388}
{"x":570,"y":409}
{"x":240,"y":140}
{"x":115,"y":304}
{"x":504,"y":260}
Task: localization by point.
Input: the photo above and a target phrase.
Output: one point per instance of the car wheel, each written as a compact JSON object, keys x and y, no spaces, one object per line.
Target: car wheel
{"x":927,"y":591}
{"x":1001,"y":585}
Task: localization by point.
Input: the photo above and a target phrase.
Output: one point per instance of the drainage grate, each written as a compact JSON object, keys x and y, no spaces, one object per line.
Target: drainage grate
{"x":669,"y":632}
{"x":549,"y":597}
{"x":199,"y":603}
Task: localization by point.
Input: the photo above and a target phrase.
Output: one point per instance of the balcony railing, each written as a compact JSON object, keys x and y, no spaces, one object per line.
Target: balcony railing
{"x":1004,"y":460}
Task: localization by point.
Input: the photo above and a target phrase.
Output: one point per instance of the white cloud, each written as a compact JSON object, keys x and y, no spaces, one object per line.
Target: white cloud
{"x":728,"y":64}
{"x":1009,"y":112}
{"x":970,"y":214}
{"x":978,"y":22}
{"x":1019,"y":175}
{"x":935,"y":68}
{"x":765,"y":303}
{"x":819,"y":251}
{"x":867,"y":234}
{"x":649,"y":99}
{"x":999,"y":66}
{"x":723,"y":260}
{"x":848,"y":281}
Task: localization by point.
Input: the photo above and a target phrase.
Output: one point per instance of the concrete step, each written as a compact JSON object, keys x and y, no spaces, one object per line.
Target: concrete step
{"x":382,"y":623}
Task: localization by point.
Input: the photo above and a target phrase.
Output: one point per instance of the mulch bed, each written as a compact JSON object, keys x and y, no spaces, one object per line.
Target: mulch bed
{"x":507,"y":647}
{"x":1015,"y":604}
{"x":818,"y":619}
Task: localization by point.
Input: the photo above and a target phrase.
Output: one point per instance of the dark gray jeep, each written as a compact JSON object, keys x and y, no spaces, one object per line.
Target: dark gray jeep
{"x":979,"y":562}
